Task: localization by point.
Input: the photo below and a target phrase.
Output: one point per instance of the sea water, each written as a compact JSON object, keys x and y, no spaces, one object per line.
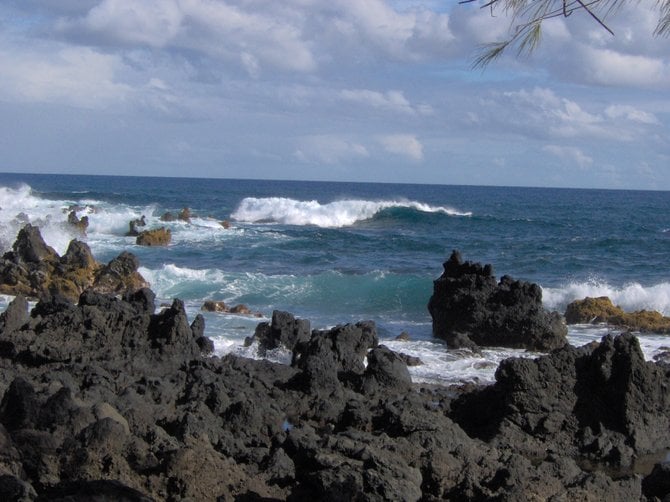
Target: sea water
{"x":335,"y":253}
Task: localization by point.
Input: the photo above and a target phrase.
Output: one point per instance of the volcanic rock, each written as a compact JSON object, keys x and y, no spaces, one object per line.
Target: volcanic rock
{"x":107,"y":399}
{"x":602,"y":401}
{"x":469,"y":306}
{"x":35,"y":270}
{"x":156,"y":237}
{"x":283,"y":331}
{"x":133,"y":226}
{"x":602,"y":310}
{"x":80,"y":224}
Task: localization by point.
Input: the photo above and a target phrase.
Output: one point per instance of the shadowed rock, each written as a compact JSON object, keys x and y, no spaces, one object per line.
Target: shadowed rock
{"x":469,"y":307}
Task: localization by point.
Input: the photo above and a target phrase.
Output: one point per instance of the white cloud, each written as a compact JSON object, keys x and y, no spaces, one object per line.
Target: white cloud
{"x":570,"y":154}
{"x":609,"y":67}
{"x":73,"y":75}
{"x":400,"y":34}
{"x":329,"y":149}
{"x":393,"y":101}
{"x":151,"y":22}
{"x":252,"y":38}
{"x":405,"y":145}
{"x":631,"y":113}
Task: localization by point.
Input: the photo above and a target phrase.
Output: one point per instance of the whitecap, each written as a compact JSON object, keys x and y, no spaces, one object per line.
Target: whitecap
{"x":334,"y":214}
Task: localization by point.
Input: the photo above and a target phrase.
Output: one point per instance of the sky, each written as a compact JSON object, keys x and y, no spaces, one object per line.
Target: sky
{"x":339,"y":90}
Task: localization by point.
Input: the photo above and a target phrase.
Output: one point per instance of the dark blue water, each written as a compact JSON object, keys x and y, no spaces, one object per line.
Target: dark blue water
{"x":339,"y":252}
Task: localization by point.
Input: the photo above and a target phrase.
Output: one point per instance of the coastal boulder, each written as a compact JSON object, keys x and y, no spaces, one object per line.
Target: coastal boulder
{"x":79,"y":224}
{"x":120,"y":275}
{"x":470,"y":307}
{"x":133,"y":226}
{"x":601,"y":401}
{"x":602,"y":310}
{"x":35,"y":270}
{"x":283,"y":331}
{"x":156,"y":237}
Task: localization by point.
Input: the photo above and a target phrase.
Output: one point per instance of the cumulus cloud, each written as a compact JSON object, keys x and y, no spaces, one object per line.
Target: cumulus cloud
{"x":541,"y":112}
{"x":609,"y":67}
{"x":570,"y":154}
{"x":72,"y":75}
{"x":405,"y":145}
{"x":221,"y":30}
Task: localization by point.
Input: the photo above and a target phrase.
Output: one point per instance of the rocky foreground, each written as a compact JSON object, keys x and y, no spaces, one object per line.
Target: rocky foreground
{"x":106,"y":398}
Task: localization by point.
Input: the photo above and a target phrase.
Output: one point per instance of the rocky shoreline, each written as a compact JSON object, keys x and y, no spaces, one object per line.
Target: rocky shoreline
{"x":106,"y":398}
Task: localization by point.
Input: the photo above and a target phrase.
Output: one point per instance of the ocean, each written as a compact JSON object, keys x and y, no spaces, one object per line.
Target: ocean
{"x":335,"y":253}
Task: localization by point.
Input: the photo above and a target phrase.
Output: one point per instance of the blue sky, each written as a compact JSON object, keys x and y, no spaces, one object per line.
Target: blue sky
{"x":350,"y":90}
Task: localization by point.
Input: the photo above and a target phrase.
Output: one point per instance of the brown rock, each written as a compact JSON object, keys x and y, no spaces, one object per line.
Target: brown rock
{"x":591,"y":310}
{"x":601,"y":310}
{"x":80,"y":224}
{"x":156,"y":237}
{"x":214,"y":306}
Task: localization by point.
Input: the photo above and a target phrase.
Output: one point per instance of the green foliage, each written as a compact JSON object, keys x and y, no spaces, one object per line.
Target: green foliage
{"x":528,"y":16}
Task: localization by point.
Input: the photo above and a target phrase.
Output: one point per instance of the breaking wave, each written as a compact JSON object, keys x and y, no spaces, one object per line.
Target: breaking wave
{"x":334,"y":214}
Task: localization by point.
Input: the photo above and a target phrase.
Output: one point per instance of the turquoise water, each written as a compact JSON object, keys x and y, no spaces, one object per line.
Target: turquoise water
{"x":341,"y":252}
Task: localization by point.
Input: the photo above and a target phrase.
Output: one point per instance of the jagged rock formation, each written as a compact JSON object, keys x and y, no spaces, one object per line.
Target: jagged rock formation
{"x":602,"y":310}
{"x":155,"y":237}
{"x":34,"y":269}
{"x":470,"y":308}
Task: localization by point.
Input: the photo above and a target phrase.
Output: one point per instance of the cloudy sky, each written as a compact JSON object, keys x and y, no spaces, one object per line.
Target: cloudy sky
{"x":350,"y":90}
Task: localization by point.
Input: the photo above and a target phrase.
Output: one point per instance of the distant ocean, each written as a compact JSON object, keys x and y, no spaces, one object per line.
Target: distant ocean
{"x":342,"y":252}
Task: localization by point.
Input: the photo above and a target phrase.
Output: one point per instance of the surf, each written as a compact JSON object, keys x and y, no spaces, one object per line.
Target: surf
{"x":336,"y":214}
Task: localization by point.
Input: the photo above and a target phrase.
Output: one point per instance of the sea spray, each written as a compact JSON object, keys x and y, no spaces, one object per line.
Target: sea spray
{"x":334,"y":214}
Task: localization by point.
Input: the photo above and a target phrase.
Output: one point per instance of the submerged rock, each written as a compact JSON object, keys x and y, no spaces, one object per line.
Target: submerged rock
{"x":470,"y":308}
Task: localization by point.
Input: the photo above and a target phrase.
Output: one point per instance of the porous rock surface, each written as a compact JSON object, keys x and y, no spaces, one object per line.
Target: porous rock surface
{"x":470,"y":308}
{"x":34,"y":269}
{"x":602,"y":310}
{"x":106,"y":399}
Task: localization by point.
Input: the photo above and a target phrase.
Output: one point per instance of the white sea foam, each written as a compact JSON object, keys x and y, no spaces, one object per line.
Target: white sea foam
{"x":331,"y":215}
{"x":20,"y":206}
{"x":630,"y":297}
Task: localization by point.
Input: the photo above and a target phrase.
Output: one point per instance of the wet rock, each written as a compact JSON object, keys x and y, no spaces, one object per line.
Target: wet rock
{"x":156,"y":237}
{"x":134,"y":225}
{"x":120,"y":275}
{"x":601,"y":310}
{"x":79,"y":224}
{"x":35,"y":270}
{"x":334,"y":356}
{"x":214,"y":306}
{"x":283,"y":331}
{"x":468,"y":306}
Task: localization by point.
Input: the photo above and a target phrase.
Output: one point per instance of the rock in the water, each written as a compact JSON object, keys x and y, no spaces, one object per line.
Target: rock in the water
{"x":80,"y":224}
{"x":156,"y":237}
{"x":35,"y":270}
{"x":602,"y":310}
{"x":469,"y":306}
{"x":133,"y":226}
{"x":283,"y":331}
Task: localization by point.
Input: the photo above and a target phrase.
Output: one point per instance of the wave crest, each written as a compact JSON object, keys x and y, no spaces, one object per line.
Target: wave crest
{"x":334,"y":214}
{"x":630,"y":297}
